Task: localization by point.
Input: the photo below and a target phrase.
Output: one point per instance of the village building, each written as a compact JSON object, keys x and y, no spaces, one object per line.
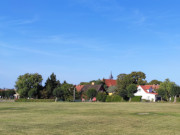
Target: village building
{"x":84,"y":88}
{"x":147,"y":92}
{"x":111,"y":84}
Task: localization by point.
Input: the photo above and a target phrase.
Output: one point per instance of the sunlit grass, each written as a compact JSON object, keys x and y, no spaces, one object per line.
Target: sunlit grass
{"x":90,"y":118}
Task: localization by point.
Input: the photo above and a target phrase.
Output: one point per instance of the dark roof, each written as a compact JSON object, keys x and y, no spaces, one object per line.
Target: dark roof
{"x":96,"y":87}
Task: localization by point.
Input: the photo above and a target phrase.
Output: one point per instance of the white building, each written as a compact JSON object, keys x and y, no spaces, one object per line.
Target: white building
{"x":147,"y":92}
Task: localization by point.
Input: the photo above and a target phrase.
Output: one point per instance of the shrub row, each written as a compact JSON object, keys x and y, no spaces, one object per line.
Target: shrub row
{"x":114,"y":98}
{"x":34,"y":100}
{"x":136,"y":99}
{"x":101,"y":97}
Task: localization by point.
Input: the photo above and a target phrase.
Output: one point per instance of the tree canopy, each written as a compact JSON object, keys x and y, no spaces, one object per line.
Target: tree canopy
{"x":155,"y":82}
{"x":91,"y":93}
{"x":51,"y":84}
{"x":124,"y":80}
{"x":131,"y":89}
{"x":29,"y":85}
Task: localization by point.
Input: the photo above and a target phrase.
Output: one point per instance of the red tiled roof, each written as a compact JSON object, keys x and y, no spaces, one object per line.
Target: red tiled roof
{"x":147,"y":87}
{"x":79,"y":87}
{"x":110,"y":82}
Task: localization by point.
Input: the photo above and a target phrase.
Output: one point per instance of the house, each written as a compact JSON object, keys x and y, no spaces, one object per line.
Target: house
{"x":83,"y":88}
{"x":111,"y":84}
{"x":79,"y":88}
{"x":147,"y":92}
{"x":98,"y":87}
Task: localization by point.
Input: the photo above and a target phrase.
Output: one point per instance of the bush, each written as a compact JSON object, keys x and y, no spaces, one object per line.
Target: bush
{"x":101,"y":96}
{"x":91,"y":93}
{"x":34,"y":100}
{"x":108,"y":98}
{"x":114,"y":98}
{"x":136,"y":99}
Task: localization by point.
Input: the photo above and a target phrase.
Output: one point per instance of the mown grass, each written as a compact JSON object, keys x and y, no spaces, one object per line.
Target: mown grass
{"x":89,"y":118}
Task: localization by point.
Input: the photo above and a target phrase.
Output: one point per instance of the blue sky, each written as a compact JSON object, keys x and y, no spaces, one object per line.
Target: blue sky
{"x":82,"y":40}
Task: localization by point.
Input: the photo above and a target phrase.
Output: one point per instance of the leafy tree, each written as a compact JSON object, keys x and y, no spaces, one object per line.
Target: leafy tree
{"x":68,"y":90}
{"x":91,"y":93}
{"x":123,"y":81}
{"x":155,"y":82}
{"x":59,"y":93}
{"x":175,"y":91}
{"x":162,"y":93}
{"x":132,"y":88}
{"x":138,"y":78}
{"x":2,"y":93}
{"x":28,"y":85}
{"x":51,"y":84}
{"x":43,"y":94}
{"x":167,"y":86}
{"x":84,"y":83}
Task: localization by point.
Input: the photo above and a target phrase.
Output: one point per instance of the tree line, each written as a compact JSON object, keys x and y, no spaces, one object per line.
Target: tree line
{"x":30,"y":85}
{"x":6,"y":94}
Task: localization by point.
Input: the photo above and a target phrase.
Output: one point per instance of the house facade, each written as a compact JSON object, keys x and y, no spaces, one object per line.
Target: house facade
{"x":147,"y":92}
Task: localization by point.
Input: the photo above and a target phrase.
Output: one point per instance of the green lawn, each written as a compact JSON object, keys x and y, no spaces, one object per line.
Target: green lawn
{"x":89,"y":118}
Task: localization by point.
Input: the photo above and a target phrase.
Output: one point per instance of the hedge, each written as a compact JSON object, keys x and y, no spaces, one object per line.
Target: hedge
{"x":114,"y":98}
{"x":108,"y":98}
{"x":34,"y":100}
{"x":136,"y":99}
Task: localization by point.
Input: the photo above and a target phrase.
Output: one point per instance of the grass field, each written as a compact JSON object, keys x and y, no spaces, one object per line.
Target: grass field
{"x":89,"y":118}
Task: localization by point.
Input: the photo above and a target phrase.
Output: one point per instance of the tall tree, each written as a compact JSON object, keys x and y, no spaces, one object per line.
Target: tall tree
{"x":59,"y":93}
{"x":68,"y":90}
{"x":175,"y":91}
{"x":162,"y":93}
{"x":132,"y":88}
{"x":91,"y":93}
{"x":138,"y":78}
{"x":51,"y":84}
{"x":28,"y":85}
{"x":155,"y":82}
{"x":123,"y":81}
{"x":167,"y":86}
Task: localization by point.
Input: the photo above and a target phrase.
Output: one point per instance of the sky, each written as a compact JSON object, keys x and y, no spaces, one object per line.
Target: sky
{"x":83,"y":40}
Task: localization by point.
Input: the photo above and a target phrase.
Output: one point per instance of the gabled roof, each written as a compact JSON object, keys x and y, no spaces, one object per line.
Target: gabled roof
{"x":110,"y":82}
{"x":96,"y":87}
{"x":79,"y":87}
{"x":147,"y":87}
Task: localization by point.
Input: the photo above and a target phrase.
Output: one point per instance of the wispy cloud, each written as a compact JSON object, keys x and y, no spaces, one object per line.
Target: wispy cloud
{"x":73,"y":42}
{"x":7,"y":22}
{"x":25,"y":49}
